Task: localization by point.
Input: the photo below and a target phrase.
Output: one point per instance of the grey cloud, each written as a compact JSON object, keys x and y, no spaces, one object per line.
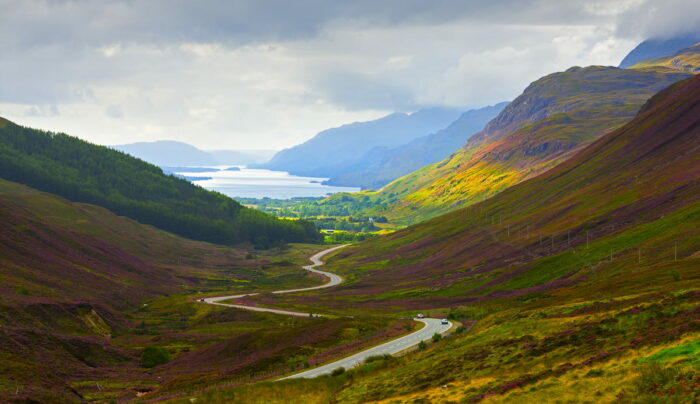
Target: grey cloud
{"x":114,"y":111}
{"x":42,"y":111}
{"x":30,"y":23}
{"x":660,"y":19}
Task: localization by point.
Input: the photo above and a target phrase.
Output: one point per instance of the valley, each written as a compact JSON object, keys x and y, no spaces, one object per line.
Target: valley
{"x":333,"y":204}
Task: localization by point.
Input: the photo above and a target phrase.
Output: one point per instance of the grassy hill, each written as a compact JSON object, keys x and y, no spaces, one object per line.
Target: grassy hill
{"x":582,"y":283}
{"x":554,"y":117}
{"x":83,"y":172}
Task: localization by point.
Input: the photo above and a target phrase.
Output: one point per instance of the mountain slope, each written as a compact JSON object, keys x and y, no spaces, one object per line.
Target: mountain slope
{"x":580,"y":284}
{"x":552,"y":119}
{"x":654,"y":48}
{"x":380,"y":166}
{"x":685,"y":60}
{"x":83,"y":172}
{"x":634,"y":191}
{"x":325,"y":154}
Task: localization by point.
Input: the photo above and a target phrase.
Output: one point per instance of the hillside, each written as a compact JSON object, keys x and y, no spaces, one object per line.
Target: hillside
{"x":85,"y":292}
{"x":658,"y":47}
{"x":328,"y":152}
{"x":169,"y":153}
{"x":380,"y":166}
{"x":551,"y":120}
{"x":685,"y":60}
{"x":83,"y":172}
{"x":581,"y":282}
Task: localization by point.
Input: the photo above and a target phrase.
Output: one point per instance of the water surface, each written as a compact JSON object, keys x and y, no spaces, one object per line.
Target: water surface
{"x":260,"y":183}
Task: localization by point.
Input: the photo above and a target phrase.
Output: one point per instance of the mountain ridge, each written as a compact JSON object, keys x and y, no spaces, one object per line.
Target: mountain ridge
{"x":324,"y":154}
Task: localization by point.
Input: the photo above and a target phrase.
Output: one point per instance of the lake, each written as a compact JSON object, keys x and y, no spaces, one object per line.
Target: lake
{"x":259,"y":183}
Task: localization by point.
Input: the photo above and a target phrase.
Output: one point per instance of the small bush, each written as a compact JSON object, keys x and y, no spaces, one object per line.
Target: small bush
{"x":338,"y":372}
{"x":375,"y":358}
{"x":595,"y":373}
{"x":152,"y":356}
{"x":22,"y":291}
{"x":460,"y":329}
{"x":437,"y":337}
{"x":422,"y":345}
{"x":676,"y":276}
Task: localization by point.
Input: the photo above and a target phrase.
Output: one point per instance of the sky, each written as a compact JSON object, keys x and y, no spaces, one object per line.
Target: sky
{"x":269,"y":74}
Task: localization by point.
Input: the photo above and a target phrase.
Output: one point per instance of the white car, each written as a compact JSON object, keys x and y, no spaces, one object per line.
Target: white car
{"x":420,"y":315}
{"x":444,"y":321}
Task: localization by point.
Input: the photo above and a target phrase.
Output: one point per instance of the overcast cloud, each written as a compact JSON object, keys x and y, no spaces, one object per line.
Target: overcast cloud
{"x":270,"y":74}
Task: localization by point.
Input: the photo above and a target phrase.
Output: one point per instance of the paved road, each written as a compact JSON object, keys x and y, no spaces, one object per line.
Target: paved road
{"x":431,"y":327}
{"x":333,"y":280}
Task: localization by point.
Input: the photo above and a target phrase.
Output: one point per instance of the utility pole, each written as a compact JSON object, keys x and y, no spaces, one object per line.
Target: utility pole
{"x":675,"y":251}
{"x":639,"y":253}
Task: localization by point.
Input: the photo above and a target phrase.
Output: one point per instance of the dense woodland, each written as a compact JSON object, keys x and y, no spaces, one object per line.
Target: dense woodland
{"x":84,"y":172}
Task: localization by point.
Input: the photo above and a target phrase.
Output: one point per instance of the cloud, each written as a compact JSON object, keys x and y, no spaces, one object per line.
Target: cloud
{"x":272,"y":73}
{"x":660,"y":19}
{"x":114,"y":111}
{"x":42,"y":111}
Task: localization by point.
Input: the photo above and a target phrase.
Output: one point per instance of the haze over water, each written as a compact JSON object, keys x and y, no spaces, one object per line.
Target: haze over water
{"x":260,"y":183}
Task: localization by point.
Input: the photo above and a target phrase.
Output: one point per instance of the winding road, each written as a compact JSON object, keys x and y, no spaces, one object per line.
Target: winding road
{"x":431,"y":325}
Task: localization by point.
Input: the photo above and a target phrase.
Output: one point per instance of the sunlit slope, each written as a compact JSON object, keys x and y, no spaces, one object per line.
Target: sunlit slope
{"x":632,"y":197}
{"x":603,"y":307}
{"x":553,"y":118}
{"x":685,"y":60}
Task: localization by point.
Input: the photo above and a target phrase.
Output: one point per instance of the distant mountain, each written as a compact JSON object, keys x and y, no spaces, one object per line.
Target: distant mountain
{"x":551,"y":120}
{"x":241,"y":157}
{"x":654,"y":48}
{"x":170,"y":153}
{"x":329,"y":152}
{"x":382,"y":165}
{"x":83,"y":172}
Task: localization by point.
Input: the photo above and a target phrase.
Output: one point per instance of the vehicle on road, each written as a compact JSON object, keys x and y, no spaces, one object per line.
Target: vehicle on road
{"x":420,"y":315}
{"x":444,"y":321}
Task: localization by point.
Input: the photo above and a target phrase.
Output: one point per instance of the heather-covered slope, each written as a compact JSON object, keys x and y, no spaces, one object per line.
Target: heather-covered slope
{"x":380,"y":166}
{"x":634,"y":191}
{"x":68,"y":273}
{"x":553,"y":118}
{"x":580,"y":284}
{"x":83,"y":172}
{"x":327,"y":153}
{"x":83,"y":294}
